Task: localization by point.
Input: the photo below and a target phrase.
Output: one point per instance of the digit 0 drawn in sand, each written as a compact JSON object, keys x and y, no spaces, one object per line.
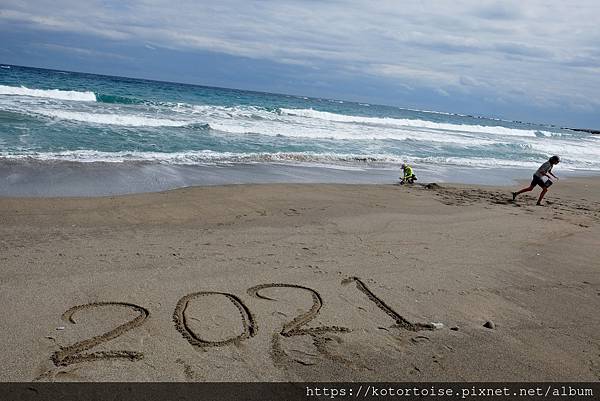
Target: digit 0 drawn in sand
{"x":401,"y":322}
{"x":292,"y":328}
{"x":182,"y":326}
{"x":74,"y":353}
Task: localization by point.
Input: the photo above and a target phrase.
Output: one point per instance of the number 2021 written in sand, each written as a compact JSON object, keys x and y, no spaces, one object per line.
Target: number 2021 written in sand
{"x":76,"y":352}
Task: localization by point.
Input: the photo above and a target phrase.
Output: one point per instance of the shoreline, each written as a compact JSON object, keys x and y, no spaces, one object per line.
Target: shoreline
{"x":455,"y":255}
{"x":71,"y":179}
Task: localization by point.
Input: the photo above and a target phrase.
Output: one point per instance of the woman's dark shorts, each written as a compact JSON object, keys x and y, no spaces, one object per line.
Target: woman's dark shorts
{"x":538,"y":181}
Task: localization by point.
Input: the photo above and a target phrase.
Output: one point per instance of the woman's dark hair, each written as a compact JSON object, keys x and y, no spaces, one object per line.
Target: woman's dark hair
{"x":554,"y":159}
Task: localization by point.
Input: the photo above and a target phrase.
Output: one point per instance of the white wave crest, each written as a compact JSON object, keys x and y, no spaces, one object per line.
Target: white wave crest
{"x":332,"y":160}
{"x":48,"y":93}
{"x":204,"y":157}
{"x":400,"y":122}
{"x":129,"y":120}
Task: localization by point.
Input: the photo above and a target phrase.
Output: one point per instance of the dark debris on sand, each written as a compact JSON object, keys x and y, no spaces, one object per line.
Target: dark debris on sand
{"x":431,"y":185}
{"x":470,"y":196}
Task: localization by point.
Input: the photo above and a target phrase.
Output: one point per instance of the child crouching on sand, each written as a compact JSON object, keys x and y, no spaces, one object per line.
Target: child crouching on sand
{"x":408,"y":177}
{"x":541,"y":178}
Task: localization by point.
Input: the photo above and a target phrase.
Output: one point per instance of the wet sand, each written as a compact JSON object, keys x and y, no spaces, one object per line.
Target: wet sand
{"x":307,"y":282}
{"x":30,"y":178}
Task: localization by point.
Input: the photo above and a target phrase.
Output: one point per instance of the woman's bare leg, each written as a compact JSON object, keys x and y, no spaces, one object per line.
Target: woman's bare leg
{"x":528,"y":189}
{"x":539,"y":202}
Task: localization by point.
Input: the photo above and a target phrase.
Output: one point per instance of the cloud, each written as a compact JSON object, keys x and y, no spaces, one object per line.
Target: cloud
{"x":504,"y":11}
{"x":56,"y":23}
{"x":82,"y":52}
{"x":424,"y":76}
{"x":513,"y":48}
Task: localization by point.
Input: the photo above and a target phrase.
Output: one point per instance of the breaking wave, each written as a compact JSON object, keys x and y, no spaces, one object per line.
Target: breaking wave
{"x":346,"y":160}
{"x":397,"y":122}
{"x":48,"y":93}
{"x":128,"y":120}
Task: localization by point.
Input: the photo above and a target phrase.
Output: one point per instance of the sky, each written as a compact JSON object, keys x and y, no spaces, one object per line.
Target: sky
{"x":534,"y":60}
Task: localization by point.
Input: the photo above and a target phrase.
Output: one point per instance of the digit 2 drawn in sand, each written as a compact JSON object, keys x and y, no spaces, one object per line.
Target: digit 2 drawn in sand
{"x":401,"y":322}
{"x":292,"y":328}
{"x":74,"y":353}
{"x":179,"y":317}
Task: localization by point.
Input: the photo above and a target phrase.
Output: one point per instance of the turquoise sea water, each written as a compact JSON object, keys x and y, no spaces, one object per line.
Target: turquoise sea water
{"x":53,"y":116}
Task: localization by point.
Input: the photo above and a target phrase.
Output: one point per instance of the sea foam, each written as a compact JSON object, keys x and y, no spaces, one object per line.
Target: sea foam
{"x":399,"y":122}
{"x":48,"y":93}
{"x":130,"y":120}
{"x":340,"y":160}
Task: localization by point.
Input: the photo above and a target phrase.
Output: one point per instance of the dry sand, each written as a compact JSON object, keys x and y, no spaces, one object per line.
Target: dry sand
{"x":302,"y":282}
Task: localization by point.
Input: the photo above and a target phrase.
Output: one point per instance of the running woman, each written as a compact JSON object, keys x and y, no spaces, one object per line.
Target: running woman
{"x":542,"y":178}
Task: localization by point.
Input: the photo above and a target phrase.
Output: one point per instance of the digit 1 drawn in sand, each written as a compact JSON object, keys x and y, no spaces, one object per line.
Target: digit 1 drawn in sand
{"x":292,"y":328}
{"x":74,"y":353}
{"x":179,"y":317}
{"x":401,"y":322}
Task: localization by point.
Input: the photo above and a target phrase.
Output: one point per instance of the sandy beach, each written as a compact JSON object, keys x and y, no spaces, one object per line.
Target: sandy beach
{"x":303,"y":282}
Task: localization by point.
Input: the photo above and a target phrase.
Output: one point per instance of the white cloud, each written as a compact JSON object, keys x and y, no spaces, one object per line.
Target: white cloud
{"x":57,"y":23}
{"x":82,"y":52}
{"x":542,"y":50}
{"x":424,"y":76}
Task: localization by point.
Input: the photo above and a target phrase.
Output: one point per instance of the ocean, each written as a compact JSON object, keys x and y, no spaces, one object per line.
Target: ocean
{"x":67,"y":133}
